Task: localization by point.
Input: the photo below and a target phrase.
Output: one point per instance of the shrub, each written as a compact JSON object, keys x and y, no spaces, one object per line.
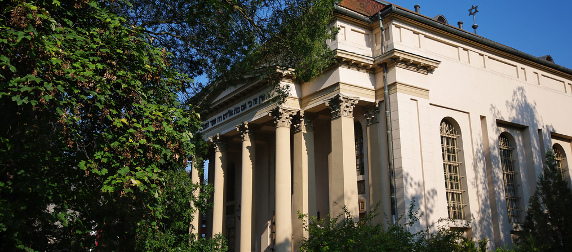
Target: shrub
{"x":342,"y":233}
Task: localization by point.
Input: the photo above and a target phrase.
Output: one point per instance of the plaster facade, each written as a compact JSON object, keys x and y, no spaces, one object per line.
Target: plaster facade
{"x":272,"y":161}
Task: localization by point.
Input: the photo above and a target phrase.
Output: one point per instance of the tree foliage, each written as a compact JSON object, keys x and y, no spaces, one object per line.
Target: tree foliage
{"x":342,"y":233}
{"x":92,"y":130}
{"x":227,"y":40}
{"x":548,"y":223}
{"x":94,"y":140}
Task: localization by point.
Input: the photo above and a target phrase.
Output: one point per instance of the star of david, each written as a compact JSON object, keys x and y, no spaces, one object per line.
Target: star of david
{"x":473,"y":10}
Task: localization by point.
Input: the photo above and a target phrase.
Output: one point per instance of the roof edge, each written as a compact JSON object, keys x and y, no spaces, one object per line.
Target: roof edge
{"x":351,"y":13}
{"x":461,"y":33}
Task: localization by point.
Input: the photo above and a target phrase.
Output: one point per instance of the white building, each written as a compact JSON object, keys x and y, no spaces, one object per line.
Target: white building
{"x":470,"y":121}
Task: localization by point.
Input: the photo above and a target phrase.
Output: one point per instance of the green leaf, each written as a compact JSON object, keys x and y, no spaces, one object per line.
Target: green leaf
{"x":123,"y":171}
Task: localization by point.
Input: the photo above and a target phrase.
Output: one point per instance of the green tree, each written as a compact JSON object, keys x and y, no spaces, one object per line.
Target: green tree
{"x":94,"y":140}
{"x":92,"y":130}
{"x":229,"y":40}
{"x":548,"y":223}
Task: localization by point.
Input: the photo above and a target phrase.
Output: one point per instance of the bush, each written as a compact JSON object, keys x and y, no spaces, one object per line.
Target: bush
{"x":342,"y":233}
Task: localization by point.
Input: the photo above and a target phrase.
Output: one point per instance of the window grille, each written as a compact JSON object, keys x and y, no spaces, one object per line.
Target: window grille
{"x":452,"y":171}
{"x":509,"y":179}
{"x":361,"y":203}
{"x":559,"y":159}
{"x":361,"y":187}
{"x":358,"y":134}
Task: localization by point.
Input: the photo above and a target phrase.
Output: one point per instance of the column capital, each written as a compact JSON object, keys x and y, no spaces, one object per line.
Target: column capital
{"x":246,"y":131}
{"x":342,"y":105}
{"x":303,"y":122}
{"x":372,"y":115}
{"x":283,"y":116}
{"x":218,"y":143}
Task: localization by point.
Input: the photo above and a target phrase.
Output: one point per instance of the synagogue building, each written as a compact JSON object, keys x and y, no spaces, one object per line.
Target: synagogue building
{"x":416,"y":111}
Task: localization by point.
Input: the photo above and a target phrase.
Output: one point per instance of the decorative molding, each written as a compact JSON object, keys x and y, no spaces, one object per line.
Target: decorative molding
{"x":218,"y":143}
{"x":409,"y":61}
{"x":246,"y":132}
{"x":341,"y":105}
{"x":358,"y":61}
{"x":372,"y":115}
{"x":318,"y":97}
{"x":303,"y":123}
{"x":283,"y":116}
{"x":250,"y":116}
{"x":559,"y":136}
{"x":398,"y":87}
{"x":248,"y":104}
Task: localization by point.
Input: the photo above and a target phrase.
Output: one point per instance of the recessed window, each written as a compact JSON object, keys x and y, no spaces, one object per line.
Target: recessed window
{"x":560,"y":158}
{"x":452,"y":170}
{"x":358,"y":134}
{"x":509,"y":178}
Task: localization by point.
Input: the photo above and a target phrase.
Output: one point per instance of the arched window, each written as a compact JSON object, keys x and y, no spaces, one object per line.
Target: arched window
{"x":509,"y":178}
{"x":452,"y":170}
{"x":560,"y":159}
{"x":358,"y":134}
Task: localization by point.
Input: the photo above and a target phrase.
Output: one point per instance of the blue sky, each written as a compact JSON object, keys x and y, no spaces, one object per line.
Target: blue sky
{"x":534,"y":27}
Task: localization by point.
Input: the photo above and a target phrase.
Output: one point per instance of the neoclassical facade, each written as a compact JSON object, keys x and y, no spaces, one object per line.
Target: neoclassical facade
{"x":416,"y":111}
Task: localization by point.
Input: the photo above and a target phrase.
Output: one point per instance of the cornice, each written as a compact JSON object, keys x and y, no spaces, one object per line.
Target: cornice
{"x":395,"y":57}
{"x":320,"y":96}
{"x":490,"y":46}
{"x":409,"y":61}
{"x":359,"y":61}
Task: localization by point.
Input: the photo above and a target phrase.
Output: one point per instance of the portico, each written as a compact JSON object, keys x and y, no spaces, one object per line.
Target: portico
{"x":288,"y":160}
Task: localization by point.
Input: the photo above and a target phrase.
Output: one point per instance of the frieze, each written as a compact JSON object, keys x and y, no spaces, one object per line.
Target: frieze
{"x":230,"y":113}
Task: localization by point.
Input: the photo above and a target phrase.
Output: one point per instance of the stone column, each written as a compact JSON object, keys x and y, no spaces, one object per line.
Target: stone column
{"x":218,"y":198}
{"x":248,"y":159}
{"x":343,"y":187}
{"x":283,"y":190}
{"x":196,"y":215}
{"x":378,"y":174}
{"x":304,"y":198}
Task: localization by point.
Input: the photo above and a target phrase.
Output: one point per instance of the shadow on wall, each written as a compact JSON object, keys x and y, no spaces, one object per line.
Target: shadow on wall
{"x":535,"y":133}
{"x":487,"y":225}
{"x":520,"y":115}
{"x":424,"y":202}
